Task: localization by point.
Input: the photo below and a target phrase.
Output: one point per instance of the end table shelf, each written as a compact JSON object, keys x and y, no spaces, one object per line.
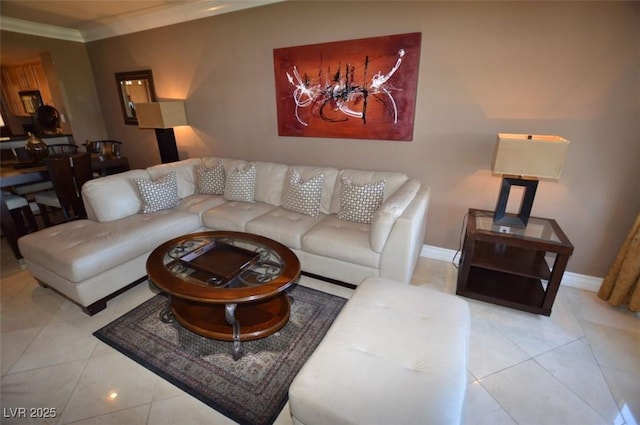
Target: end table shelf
{"x":510,"y":259}
{"x":488,"y":285}
{"x":508,"y":266}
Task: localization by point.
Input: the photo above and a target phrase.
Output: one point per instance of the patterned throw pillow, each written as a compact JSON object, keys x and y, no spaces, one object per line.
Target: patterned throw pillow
{"x":240,"y":185}
{"x":303,"y":196}
{"x":159,"y":194}
{"x":359,"y":203}
{"x":210,"y":180}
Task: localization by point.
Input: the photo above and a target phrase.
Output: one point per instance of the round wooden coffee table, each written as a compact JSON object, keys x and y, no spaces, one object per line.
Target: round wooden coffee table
{"x":225,"y":285}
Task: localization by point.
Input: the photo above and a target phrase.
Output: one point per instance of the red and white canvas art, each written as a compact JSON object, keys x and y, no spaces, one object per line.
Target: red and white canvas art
{"x":359,"y":89}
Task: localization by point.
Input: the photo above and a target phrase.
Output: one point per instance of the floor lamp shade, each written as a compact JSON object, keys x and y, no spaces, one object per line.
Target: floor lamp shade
{"x":522,"y":159}
{"x":163,"y":116}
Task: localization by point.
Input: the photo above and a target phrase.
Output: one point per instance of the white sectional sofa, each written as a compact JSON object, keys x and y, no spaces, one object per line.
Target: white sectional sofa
{"x":89,"y":261}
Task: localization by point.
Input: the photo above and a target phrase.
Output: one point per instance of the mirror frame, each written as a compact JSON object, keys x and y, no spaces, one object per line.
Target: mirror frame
{"x":149,"y":96}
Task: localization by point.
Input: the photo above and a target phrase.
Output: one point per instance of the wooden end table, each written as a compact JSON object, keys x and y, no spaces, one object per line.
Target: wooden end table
{"x":249,"y":306}
{"x":509,"y":266}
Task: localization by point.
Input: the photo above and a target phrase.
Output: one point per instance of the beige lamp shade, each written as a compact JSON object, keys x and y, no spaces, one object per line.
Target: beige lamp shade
{"x":161,"y":114}
{"x":530,"y":155}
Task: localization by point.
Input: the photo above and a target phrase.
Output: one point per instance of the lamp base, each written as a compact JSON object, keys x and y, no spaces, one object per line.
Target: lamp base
{"x":167,"y":145}
{"x":522,"y":218}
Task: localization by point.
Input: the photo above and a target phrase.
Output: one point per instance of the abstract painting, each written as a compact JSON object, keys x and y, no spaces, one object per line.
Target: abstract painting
{"x":359,"y":89}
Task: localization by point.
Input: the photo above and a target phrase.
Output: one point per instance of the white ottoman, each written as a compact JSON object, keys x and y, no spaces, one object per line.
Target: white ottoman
{"x":396,"y":354}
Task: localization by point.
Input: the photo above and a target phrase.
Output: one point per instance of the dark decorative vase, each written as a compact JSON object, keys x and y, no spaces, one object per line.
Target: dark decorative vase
{"x":48,"y":118}
{"x":36,"y":148}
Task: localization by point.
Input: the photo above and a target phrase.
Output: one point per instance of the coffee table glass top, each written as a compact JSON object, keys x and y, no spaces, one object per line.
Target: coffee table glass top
{"x":223,"y":262}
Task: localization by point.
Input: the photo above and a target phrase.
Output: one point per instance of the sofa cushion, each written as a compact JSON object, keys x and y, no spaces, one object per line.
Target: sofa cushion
{"x":270,"y":178}
{"x":212,"y":161}
{"x":184,"y":174}
{"x":330,"y":174}
{"x":359,"y":203}
{"x":113,"y":197}
{"x":210,"y":180}
{"x":284,"y":226}
{"x":234,"y":216}
{"x":158,"y":194}
{"x":198,"y":204}
{"x":342,"y":240}
{"x":240,"y":184}
{"x":303,"y":196}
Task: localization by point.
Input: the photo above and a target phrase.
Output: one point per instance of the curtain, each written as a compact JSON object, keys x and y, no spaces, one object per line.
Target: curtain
{"x":621,"y":285}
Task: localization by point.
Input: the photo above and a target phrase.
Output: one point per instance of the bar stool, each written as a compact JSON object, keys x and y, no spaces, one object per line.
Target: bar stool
{"x":109,"y":148}
{"x":62,"y":148}
{"x":21,"y":213}
{"x":68,"y":172}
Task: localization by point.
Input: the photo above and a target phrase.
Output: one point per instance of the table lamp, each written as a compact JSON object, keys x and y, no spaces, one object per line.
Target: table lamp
{"x":522,"y":159}
{"x":163,"y":116}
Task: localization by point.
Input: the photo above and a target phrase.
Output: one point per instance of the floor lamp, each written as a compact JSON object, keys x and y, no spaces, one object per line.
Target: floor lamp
{"x":522,"y":159}
{"x":163,"y":116}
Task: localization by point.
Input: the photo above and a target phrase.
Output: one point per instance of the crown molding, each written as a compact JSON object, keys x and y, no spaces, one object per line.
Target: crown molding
{"x":174,"y":15}
{"x":40,"y":30}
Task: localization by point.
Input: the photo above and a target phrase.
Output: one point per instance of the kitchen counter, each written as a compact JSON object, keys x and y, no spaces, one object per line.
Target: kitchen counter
{"x":49,"y":139}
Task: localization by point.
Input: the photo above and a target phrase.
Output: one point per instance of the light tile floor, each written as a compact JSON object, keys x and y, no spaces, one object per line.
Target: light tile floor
{"x":579,"y":366}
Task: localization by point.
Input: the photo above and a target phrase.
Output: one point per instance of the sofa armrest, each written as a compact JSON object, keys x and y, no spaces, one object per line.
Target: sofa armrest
{"x":389,"y":212}
{"x":113,"y":197}
{"x":403,"y":247}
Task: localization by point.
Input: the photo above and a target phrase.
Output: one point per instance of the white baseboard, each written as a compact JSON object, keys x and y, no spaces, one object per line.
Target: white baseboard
{"x":573,"y":280}
{"x":581,"y":281}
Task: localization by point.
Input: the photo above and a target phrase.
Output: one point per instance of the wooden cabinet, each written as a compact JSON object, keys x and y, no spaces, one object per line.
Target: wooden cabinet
{"x":508,"y":266}
{"x":26,"y":77}
{"x":10,"y":89}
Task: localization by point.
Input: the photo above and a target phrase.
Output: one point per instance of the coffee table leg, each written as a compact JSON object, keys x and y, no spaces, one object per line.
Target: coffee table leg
{"x":166,"y":316}
{"x":230,"y":316}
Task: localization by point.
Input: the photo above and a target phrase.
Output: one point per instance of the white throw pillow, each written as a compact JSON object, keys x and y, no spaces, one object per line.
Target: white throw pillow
{"x":359,"y":203}
{"x":240,"y":184}
{"x":158,"y":194}
{"x":303,"y":196}
{"x":210,"y":180}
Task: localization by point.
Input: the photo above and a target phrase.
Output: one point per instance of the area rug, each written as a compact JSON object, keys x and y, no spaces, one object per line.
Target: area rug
{"x":252,"y":390}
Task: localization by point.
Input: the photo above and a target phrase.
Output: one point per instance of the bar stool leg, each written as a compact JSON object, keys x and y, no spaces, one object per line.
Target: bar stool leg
{"x":45,"y":215}
{"x":31,"y":219}
{"x":16,"y":214}
{"x":24,"y":220}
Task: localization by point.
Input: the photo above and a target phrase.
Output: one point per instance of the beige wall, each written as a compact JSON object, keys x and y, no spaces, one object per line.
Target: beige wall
{"x":565,"y":68}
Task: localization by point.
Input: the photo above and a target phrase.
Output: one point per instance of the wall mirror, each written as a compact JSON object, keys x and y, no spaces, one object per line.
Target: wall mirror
{"x":134,"y":87}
